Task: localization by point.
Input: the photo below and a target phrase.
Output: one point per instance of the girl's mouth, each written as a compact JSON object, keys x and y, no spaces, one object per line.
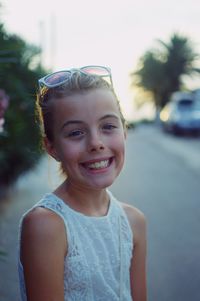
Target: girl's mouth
{"x":98,"y":165}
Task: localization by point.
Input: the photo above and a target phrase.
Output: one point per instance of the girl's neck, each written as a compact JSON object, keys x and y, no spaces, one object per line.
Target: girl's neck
{"x":91,"y":202}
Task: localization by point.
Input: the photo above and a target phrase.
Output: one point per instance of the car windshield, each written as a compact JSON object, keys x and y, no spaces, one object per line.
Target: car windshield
{"x":185,"y":104}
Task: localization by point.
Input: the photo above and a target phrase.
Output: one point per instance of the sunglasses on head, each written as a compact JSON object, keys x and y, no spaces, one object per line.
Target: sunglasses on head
{"x":60,"y":77}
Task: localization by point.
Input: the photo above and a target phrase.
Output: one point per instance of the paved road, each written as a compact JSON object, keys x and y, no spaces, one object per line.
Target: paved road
{"x":162,"y":178}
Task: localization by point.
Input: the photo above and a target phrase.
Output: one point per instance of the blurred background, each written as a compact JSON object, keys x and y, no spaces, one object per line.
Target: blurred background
{"x":153,"y":50}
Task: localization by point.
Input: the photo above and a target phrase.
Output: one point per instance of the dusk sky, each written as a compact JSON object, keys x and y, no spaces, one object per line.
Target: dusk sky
{"x":107,"y":32}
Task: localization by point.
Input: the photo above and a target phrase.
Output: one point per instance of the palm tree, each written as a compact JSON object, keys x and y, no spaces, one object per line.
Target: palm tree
{"x":161,"y":70}
{"x":180,"y":60}
{"x":150,"y":76}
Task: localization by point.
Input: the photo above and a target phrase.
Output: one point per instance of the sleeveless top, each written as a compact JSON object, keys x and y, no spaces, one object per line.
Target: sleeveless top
{"x":97,"y":264}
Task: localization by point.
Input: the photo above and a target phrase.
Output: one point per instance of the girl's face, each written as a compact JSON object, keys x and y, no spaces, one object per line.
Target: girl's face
{"x":88,"y":138}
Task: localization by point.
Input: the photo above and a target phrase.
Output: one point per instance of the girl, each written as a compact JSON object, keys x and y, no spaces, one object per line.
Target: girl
{"x":79,"y":243}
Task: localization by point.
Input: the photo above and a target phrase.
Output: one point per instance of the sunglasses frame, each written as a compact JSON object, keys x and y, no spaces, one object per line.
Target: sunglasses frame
{"x":42,"y":81}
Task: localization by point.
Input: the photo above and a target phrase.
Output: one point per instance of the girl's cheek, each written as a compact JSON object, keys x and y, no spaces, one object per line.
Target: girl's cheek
{"x":120,"y":140}
{"x":72,"y":149}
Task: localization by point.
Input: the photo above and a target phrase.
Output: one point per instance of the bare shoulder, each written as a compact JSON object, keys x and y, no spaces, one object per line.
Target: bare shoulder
{"x":40,"y":227}
{"x":136,"y":219}
{"x":134,"y":215}
{"x":42,"y":221}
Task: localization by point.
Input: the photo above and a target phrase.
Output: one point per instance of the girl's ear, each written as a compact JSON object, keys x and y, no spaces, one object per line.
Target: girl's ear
{"x":50,"y":149}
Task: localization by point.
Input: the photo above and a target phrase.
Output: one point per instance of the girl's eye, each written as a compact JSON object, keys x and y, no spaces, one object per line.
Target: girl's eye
{"x":75,"y":133}
{"x":109,"y":126}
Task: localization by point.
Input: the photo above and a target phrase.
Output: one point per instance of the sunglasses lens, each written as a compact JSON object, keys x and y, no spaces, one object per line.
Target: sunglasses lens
{"x":56,"y":78}
{"x":97,"y":70}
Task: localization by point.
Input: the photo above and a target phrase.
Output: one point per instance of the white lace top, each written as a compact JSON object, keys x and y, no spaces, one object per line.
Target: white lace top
{"x":99,"y":253}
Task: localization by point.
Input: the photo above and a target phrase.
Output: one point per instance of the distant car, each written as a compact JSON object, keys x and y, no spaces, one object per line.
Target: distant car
{"x":181,"y":114}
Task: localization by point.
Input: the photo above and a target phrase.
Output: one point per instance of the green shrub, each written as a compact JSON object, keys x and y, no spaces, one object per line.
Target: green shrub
{"x":20,"y":141}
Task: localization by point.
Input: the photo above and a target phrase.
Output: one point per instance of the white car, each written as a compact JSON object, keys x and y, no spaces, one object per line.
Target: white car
{"x":181,"y":114}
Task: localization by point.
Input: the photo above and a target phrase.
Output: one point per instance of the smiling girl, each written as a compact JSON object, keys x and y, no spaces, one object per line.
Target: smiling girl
{"x":79,"y":243}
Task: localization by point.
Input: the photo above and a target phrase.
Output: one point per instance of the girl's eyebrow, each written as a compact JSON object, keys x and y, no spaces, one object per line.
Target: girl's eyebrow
{"x":109,"y":116}
{"x":69,"y":122}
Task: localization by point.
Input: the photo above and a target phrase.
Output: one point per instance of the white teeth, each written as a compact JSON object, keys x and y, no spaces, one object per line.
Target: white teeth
{"x":98,"y":165}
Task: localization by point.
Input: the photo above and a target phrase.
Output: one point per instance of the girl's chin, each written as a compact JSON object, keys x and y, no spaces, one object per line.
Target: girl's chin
{"x":101,"y":183}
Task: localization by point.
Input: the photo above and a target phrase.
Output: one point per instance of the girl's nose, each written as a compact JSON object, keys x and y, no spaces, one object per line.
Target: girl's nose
{"x":95,"y":143}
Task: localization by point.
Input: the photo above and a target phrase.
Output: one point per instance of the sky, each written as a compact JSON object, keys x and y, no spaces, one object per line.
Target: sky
{"x":114,"y":33}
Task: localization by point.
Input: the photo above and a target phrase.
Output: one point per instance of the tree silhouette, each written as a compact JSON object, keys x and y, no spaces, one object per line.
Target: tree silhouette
{"x":160,"y":71}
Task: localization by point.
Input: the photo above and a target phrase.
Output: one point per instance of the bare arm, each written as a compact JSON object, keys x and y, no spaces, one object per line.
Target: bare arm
{"x":138,"y":262}
{"x":43,"y":248}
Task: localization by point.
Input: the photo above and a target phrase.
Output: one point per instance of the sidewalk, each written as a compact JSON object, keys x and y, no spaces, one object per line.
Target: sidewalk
{"x":28,"y":191}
